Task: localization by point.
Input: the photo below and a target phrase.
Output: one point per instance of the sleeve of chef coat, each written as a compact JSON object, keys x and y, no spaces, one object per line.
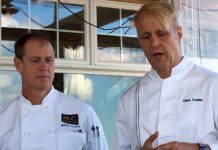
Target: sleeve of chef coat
{"x":95,"y":137}
{"x":121,"y":140}
{"x":214,"y":146}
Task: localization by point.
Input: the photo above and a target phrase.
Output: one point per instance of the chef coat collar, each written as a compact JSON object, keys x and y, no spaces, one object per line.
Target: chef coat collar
{"x":177,"y":72}
{"x":48,"y":99}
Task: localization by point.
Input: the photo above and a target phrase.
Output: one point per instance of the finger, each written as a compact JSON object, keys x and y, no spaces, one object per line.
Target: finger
{"x":150,"y":140}
{"x":153,"y":137}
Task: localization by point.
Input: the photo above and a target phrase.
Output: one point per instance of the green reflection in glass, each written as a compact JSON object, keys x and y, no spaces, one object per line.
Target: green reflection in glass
{"x":102,"y":93}
{"x":10,"y":86}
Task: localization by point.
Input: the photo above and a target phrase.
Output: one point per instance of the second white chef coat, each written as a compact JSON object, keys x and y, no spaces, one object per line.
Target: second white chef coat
{"x":183,"y":107}
{"x":61,"y":122}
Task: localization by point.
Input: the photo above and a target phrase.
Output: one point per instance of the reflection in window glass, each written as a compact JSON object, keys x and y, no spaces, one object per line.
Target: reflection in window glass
{"x":208,"y":28}
{"x":9,"y":36}
{"x":109,"y":48}
{"x":108,"y":18}
{"x":190,"y":45}
{"x":10,"y":86}
{"x":209,"y":44}
{"x":43,"y":15}
{"x":200,"y":28}
{"x":14,"y":13}
{"x":118,"y":45}
{"x":69,"y":21}
{"x":132,"y":51}
{"x":102,"y":93}
{"x":127,"y":16}
{"x":72,"y":46}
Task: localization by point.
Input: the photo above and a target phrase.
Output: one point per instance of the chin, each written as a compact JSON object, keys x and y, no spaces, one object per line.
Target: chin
{"x":44,"y":87}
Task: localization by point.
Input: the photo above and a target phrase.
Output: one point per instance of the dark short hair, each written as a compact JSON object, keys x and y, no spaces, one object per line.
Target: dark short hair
{"x":20,"y":43}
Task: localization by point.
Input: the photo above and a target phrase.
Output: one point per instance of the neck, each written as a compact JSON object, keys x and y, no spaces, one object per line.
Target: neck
{"x":164,"y":74}
{"x":35,"y":96}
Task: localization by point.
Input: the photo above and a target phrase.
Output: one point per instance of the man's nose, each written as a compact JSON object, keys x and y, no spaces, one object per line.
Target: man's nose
{"x":43,"y":65}
{"x":154,"y":42}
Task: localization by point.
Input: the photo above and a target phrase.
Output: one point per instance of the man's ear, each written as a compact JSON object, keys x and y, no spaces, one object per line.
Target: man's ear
{"x":179,"y":34}
{"x":18,"y":64}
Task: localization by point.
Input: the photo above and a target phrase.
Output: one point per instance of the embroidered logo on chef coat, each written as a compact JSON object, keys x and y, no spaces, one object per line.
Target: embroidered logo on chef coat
{"x":70,"y":119}
{"x":192,"y":100}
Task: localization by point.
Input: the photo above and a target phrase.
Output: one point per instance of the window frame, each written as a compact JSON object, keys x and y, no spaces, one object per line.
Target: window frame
{"x":90,"y":65}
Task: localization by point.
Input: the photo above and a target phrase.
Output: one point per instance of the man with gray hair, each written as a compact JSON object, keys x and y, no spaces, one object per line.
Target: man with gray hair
{"x":174,"y":106}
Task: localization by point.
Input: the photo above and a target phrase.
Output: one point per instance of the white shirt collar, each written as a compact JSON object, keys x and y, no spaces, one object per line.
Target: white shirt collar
{"x":177,"y":72}
{"x":48,"y":99}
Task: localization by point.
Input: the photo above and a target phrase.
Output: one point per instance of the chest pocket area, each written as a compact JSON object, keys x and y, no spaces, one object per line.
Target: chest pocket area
{"x":69,"y":140}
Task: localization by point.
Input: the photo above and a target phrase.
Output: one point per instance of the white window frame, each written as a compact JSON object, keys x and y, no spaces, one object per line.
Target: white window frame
{"x":122,"y":66}
{"x":90,"y":65}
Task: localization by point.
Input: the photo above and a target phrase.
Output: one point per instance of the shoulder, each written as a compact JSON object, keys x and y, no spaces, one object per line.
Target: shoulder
{"x":72,"y":102}
{"x":8,"y":114}
{"x":203,"y":72}
{"x":10,"y":107}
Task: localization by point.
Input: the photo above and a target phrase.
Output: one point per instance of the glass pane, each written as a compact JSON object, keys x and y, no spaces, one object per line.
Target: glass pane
{"x":43,"y":14}
{"x":69,"y":17}
{"x":52,"y":36}
{"x":127,"y":16}
{"x":109,"y":48}
{"x":102,"y":93}
{"x":108,"y":18}
{"x":10,"y":86}
{"x":209,"y":30}
{"x":9,"y":36}
{"x":190,"y":26}
{"x":14,"y":13}
{"x":132,"y":52}
{"x":71,"y":46}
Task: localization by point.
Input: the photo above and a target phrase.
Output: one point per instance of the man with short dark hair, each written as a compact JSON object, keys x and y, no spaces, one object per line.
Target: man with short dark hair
{"x":42,"y":118}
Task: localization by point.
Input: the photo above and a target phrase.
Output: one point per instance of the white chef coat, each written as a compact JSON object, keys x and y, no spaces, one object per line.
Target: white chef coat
{"x":183,"y":107}
{"x":61,"y":122}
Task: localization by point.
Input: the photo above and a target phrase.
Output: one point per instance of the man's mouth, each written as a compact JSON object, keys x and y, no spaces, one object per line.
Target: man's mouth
{"x":158,"y":54}
{"x":42,"y":76}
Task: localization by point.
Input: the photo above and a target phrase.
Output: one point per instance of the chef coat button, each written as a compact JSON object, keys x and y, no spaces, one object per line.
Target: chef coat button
{"x":27,"y":133}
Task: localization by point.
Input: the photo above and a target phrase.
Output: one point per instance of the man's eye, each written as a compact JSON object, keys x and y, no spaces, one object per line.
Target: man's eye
{"x":161,"y":33}
{"x":145,"y":36}
{"x":35,"y":60}
{"x":49,"y":60}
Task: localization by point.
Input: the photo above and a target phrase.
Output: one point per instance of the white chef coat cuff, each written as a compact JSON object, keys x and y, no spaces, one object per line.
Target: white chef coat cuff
{"x":213,"y":146}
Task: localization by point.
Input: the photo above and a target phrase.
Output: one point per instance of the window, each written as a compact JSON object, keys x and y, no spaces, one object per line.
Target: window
{"x":117,"y":44}
{"x":55,"y":19}
{"x":200,"y":31}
